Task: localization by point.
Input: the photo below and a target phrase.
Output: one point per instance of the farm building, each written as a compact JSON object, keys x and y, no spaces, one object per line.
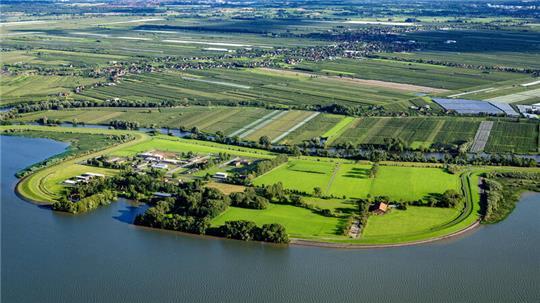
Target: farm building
{"x":162,"y":195}
{"x":160,"y":166}
{"x":221,"y":175}
{"x":379,"y":208}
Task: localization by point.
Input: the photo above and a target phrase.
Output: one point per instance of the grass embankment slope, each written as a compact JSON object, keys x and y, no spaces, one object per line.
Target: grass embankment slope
{"x":44,"y":186}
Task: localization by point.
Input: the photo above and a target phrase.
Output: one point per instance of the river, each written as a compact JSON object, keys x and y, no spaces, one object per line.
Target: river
{"x":100,"y":257}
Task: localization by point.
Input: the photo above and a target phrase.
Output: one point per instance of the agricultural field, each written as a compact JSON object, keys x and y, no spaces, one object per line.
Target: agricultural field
{"x":451,"y":78}
{"x":323,"y":125}
{"x":242,"y":85}
{"x":27,"y":88}
{"x":280,"y":125}
{"x":415,"y":132}
{"x":345,"y":179}
{"x":207,"y":119}
{"x":513,"y":59}
{"x":514,"y":138}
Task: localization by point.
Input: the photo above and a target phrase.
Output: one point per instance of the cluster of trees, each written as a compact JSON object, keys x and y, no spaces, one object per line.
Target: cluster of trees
{"x":493,"y":199}
{"x":501,"y":192}
{"x":103,"y":161}
{"x":256,"y":169}
{"x":85,"y":204}
{"x":374,"y":170}
{"x":190,"y":207}
{"x":46,"y":121}
{"x":248,"y":199}
{"x":248,"y":231}
{"x":121,"y":124}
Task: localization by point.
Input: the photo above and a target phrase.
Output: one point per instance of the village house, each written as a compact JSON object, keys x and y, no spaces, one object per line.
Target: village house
{"x":379,"y":208}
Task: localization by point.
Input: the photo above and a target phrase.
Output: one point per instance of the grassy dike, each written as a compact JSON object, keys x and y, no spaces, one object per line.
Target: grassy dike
{"x":42,"y":186}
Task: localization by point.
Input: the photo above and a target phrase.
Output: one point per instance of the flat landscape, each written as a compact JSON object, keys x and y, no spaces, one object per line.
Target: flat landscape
{"x":270,"y":151}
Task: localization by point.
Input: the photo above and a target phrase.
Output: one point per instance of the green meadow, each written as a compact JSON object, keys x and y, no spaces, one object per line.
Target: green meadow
{"x":345,"y":179}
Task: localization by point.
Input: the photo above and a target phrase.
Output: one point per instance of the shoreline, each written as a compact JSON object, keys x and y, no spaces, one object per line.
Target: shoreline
{"x":313,"y":243}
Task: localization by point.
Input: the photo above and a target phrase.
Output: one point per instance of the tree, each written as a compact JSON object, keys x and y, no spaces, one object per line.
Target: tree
{"x":265,"y":141}
{"x":450,"y":198}
{"x":275,"y":233}
{"x":317,"y":191}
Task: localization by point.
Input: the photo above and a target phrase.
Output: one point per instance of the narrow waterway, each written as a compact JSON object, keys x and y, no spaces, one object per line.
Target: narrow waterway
{"x":101,"y":257}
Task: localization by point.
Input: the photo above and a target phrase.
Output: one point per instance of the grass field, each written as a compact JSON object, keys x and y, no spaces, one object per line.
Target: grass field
{"x":175,"y":144}
{"x":352,"y":180}
{"x":405,"y":223}
{"x":299,"y":222}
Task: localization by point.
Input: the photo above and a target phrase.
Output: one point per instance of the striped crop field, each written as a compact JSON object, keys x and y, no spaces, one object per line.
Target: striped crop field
{"x":416,"y":132}
{"x":207,"y":119}
{"x":316,"y":127}
{"x":514,"y":137}
{"x":219,"y":86}
{"x":280,"y":124}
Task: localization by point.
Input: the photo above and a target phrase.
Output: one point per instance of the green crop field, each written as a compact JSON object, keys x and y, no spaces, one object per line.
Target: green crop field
{"x":514,"y":59}
{"x":321,"y":124}
{"x":416,"y":132}
{"x":514,"y":137}
{"x":280,"y":125}
{"x":208,"y":119}
{"x":412,"y":73}
{"x":224,"y":86}
{"x":17,"y":89}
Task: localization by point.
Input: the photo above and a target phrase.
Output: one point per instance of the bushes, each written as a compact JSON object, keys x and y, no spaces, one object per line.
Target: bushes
{"x":502,"y":191}
{"x":85,"y":204}
{"x":248,"y":231}
{"x":120,"y":124}
{"x":258,"y":168}
{"x":248,"y":199}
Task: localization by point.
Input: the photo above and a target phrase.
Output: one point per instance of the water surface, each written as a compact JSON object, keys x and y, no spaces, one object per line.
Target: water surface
{"x":100,"y":257}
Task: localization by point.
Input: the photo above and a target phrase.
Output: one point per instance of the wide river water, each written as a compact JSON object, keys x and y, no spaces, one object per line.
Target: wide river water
{"x":101,"y":257}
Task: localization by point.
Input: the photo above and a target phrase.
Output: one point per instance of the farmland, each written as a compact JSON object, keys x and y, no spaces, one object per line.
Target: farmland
{"x":17,"y":89}
{"x":230,"y":86}
{"x":514,"y":138}
{"x":415,"y":132}
{"x":251,"y":123}
{"x":343,"y":179}
{"x":339,"y":177}
{"x":329,"y":80}
{"x":411,"y":73}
